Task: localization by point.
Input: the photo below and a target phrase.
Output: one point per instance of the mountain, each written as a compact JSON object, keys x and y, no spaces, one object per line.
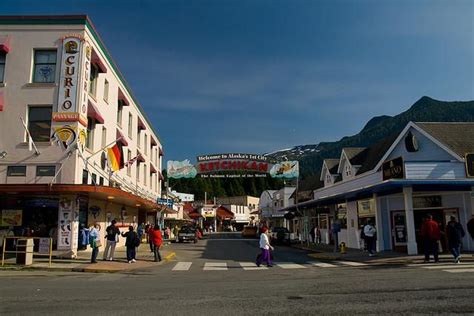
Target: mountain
{"x":425,"y":109}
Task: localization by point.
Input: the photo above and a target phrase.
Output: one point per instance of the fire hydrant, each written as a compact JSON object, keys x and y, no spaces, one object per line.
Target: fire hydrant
{"x":342,"y":247}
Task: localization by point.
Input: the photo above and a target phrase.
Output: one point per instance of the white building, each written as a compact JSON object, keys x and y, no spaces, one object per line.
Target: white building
{"x":57,"y":74}
{"x":242,"y":208}
{"x":274,"y":204}
{"x":427,"y":168}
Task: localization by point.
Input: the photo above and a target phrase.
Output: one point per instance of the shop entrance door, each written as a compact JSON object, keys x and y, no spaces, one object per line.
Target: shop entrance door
{"x":399,"y":231}
{"x":441,"y":216}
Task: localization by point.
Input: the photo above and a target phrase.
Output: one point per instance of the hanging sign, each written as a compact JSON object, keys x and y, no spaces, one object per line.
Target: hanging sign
{"x":232,"y":166}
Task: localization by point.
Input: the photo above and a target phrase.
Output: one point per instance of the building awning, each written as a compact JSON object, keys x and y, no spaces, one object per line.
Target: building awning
{"x":153,"y":142}
{"x":194,"y":215}
{"x":141,"y":125}
{"x":104,"y":193}
{"x":161,"y":151}
{"x":153,"y":169}
{"x":224,"y":214}
{"x":95,"y":59}
{"x":93,"y":112}
{"x":121,"y":138}
{"x":140,"y":157}
{"x":2,"y":101}
{"x":161,"y":176}
{"x":122,"y":98}
{"x":5,"y":43}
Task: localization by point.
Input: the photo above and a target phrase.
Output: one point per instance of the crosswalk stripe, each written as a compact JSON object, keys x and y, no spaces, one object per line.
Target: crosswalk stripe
{"x":182,"y":266}
{"x":352,"y":263}
{"x":459,"y":270}
{"x":323,"y":265}
{"x":424,"y":265}
{"x":450,"y":266}
{"x":290,"y":266}
{"x":251,"y":266}
{"x":215,"y":266}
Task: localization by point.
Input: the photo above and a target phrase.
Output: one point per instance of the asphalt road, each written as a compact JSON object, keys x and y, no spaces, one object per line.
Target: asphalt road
{"x":217,"y":277}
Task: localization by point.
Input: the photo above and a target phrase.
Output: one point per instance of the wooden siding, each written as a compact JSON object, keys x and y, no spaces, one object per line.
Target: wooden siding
{"x":351,"y":185}
{"x":434,"y":170}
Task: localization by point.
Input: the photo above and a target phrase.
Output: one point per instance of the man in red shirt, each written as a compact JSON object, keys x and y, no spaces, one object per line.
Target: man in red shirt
{"x":431,"y":235}
{"x":157,"y":241}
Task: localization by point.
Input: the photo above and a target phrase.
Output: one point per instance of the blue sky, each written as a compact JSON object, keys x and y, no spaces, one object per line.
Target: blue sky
{"x":256,"y":76}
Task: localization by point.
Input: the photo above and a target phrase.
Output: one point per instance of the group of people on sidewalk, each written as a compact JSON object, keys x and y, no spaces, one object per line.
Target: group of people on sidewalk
{"x":132,"y":241}
{"x":430,"y":234}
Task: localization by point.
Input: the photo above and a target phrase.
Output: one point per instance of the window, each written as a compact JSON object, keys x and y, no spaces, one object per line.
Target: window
{"x":3,"y":58}
{"x":130,"y":125}
{"x":44,"y":66}
{"x":119,"y":113}
{"x":106,"y":91}
{"x":129,"y":167}
{"x":145,"y":144}
{"x":45,"y":171}
{"x":85,"y":176}
{"x":139,"y":138}
{"x":39,"y":123}
{"x":138,"y":171}
{"x":144,"y":174}
{"x":16,"y":171}
{"x":93,"y":79}
{"x":348,"y":170}
{"x":101,"y":181}
{"x":90,"y":133}
{"x":94,"y":178}
{"x":104,"y":137}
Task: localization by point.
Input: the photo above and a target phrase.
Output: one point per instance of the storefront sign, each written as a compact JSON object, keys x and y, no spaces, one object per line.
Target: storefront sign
{"x":44,"y":244}
{"x":393,"y":169}
{"x":208,"y":212}
{"x":366,"y":208}
{"x":470,"y":165}
{"x":12,"y":217}
{"x":427,"y":201}
{"x":64,"y":136}
{"x":399,"y":228}
{"x":69,"y":77}
{"x":232,"y":166}
{"x":68,"y":225}
{"x":168,"y":202}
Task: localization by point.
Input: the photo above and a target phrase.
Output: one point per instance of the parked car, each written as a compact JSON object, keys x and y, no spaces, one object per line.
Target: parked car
{"x":187,"y":233}
{"x":280,"y":235}
{"x":250,"y":232}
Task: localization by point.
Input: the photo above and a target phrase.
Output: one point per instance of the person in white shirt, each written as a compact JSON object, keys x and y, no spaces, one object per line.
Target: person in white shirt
{"x":370,"y":237}
{"x":265,"y":247}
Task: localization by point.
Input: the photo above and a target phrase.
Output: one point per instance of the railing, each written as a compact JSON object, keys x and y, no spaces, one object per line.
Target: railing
{"x":40,"y":251}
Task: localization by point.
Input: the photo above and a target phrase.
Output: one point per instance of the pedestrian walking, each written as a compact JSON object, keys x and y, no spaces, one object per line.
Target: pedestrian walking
{"x":157,"y":240}
{"x":94,"y":241}
{"x":148,"y":230}
{"x":455,"y":234}
{"x":175,"y":232}
{"x":470,"y":227}
{"x":431,"y":235}
{"x":112,"y":235}
{"x":317,"y":233}
{"x":131,"y":242}
{"x":370,"y":236}
{"x":265,"y":249}
{"x":140,"y":231}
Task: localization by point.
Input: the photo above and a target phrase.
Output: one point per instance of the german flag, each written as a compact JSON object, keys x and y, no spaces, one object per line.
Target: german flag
{"x":115,"y":155}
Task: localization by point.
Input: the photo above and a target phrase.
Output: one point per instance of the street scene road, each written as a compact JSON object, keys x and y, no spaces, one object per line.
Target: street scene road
{"x":218,"y":276}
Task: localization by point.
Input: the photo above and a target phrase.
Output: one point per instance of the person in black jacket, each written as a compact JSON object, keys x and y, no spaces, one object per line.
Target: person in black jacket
{"x":455,"y":233}
{"x":131,"y":244}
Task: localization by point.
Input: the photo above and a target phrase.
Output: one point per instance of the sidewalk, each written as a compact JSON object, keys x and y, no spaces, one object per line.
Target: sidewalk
{"x":82,"y":264}
{"x":326,"y":252}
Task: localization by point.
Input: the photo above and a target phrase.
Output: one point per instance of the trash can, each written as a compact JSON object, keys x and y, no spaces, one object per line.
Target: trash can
{"x":22,"y":246}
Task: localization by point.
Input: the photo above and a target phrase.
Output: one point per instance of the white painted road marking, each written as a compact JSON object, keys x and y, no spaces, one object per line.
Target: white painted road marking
{"x":215,"y":266}
{"x":459,"y":270}
{"x":290,"y":266}
{"x":251,"y":266}
{"x":323,"y":265}
{"x":451,"y":266}
{"x":182,"y":266}
{"x":352,"y":263}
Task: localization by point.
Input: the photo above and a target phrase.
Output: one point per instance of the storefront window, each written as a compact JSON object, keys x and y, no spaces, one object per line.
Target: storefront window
{"x":45,"y":171}
{"x":16,"y":171}
{"x":366,"y":211}
{"x":342,"y":215}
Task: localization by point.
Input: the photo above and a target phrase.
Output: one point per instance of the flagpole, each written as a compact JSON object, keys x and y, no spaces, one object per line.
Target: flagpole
{"x":30,"y":139}
{"x":106,"y":146}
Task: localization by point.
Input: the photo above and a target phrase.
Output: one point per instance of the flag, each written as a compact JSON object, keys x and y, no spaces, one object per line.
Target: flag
{"x":115,"y":155}
{"x":131,"y":161}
